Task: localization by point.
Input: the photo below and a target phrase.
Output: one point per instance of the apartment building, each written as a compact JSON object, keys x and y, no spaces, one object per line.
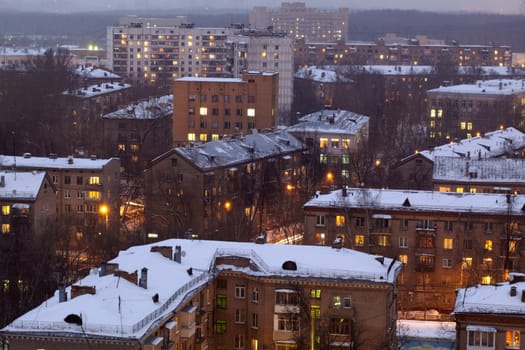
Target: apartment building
{"x":412,"y":52}
{"x":429,"y":169}
{"x":87,"y":190}
{"x":463,"y":111}
{"x":28,"y":202}
{"x":445,"y":240}
{"x":302,"y":22}
{"x":139,"y":132}
{"x":266,"y":50}
{"x":491,"y":317}
{"x":221,"y":295}
{"x":207,"y":109}
{"x":333,"y":137}
{"x":160,"y":50}
{"x":229,"y":189}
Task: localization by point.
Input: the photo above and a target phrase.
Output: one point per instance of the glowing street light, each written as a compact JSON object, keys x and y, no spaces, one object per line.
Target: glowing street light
{"x":104,"y":210}
{"x":227,"y":205}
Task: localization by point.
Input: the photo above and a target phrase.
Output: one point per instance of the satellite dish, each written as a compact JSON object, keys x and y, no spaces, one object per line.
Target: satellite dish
{"x":74,"y":319}
{"x":183,"y":253}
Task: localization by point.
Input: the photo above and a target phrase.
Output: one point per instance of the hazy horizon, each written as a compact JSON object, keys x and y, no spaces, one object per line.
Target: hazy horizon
{"x":65,"y":6}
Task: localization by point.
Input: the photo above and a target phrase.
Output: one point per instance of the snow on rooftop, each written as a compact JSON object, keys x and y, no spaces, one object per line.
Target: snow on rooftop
{"x":229,"y":152}
{"x":410,"y":201}
{"x":331,"y":122}
{"x":494,"y":170}
{"x":21,"y":51}
{"x":493,"y":299}
{"x":32,"y":162}
{"x":487,"y":87}
{"x":20,"y":185}
{"x":149,"y":109}
{"x":491,"y":144}
{"x":124,"y":309}
{"x":91,"y":72}
{"x":96,"y":90}
{"x":211,"y":80}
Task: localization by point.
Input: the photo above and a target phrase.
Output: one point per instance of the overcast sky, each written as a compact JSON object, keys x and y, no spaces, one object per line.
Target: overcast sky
{"x":493,"y":6}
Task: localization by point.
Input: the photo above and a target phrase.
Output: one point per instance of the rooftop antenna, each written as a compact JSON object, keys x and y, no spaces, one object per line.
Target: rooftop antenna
{"x":14,"y":151}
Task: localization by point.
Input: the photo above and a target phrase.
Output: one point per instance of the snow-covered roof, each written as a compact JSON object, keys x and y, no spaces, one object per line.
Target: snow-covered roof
{"x":96,"y":90}
{"x":149,"y":109}
{"x":228,"y":152}
{"x":91,"y":72}
{"x":20,"y":184}
{"x":413,"y":201}
{"x":491,"y":299}
{"x":320,"y":74}
{"x":484,"y":87}
{"x":331,"y":122}
{"x":21,"y":51}
{"x":211,"y":80}
{"x":435,"y":330}
{"x":124,"y":309}
{"x":489,"y":145}
{"x":494,"y":170}
{"x":31,"y":162}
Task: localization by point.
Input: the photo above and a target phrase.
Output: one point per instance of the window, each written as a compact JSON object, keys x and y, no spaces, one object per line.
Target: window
{"x":403,"y":258}
{"x":336,"y":301}
{"x":315,"y":311}
{"x":238,"y":112}
{"x":335,"y":143}
{"x":359,"y":240}
{"x":227,"y":112}
{"x":486,"y":279}
{"x":345,"y":159}
{"x":487,"y":263}
{"x":67,"y":180}
{"x":448,"y":226}
{"x":403,"y":242}
{"x":467,"y":262}
{"x":347,"y":302}
{"x":339,"y":326}
{"x":239,"y":316}
{"x":403,"y":224}
{"x":191,"y":136}
{"x":80,"y":208}
{"x":488,"y":245}
{"x":221,"y":301}
{"x":203,"y":111}
{"x":467,"y":244}
{"x":448,"y":243}
{"x":227,"y":125}
{"x":425,"y":242}
{"x":203,"y":137}
{"x":221,"y":283}
{"x":67,"y":194}
{"x":55,"y":179}
{"x":346,"y":143}
{"x":240,"y":292}
{"x":238,"y":99}
{"x":220,"y":327}
{"x":339,"y":220}
{"x":203,"y":98}
{"x":319,"y":220}
{"x":359,"y":222}
{"x":480,"y":339}
{"x":382,"y":240}
{"x":94,"y":195}
{"x":215,"y":111}
{"x":447,"y":263}
{"x":239,"y":341}
{"x":488,"y":227}
{"x":323,"y":142}
{"x":5,"y":228}
{"x":214,"y":98}
{"x":227,"y":98}
{"x":512,"y":339}
{"x":250,"y":112}
{"x":6,"y":209}
{"x":80,"y":194}
{"x":286,"y":298}
{"x":255,"y":295}
{"x":323,"y":158}
{"x":94,"y":180}
{"x":288,"y":322}
{"x":469,"y":226}
{"x":255,"y":320}
{"x":315,"y":293}
{"x":80,"y":180}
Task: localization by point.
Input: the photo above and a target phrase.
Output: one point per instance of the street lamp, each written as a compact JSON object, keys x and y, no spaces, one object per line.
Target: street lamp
{"x":104,"y":210}
{"x":227,"y":205}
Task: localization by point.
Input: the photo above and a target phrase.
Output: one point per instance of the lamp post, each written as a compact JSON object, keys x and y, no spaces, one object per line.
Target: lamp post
{"x":104,"y":210}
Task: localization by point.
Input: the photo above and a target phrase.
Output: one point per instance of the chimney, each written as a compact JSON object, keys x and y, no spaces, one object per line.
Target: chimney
{"x":70,"y":160}
{"x":178,"y":254}
{"x":2,"y":181}
{"x":513,"y":291}
{"x":344,"y":191}
{"x":143,"y":281}
{"x":62,"y":294}
{"x":523,"y":296}
{"x":166,"y":251}
{"x":81,"y":290}
{"x":107,"y":268}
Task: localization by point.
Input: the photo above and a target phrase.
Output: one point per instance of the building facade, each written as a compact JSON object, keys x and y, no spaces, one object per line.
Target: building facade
{"x":445,"y":240}
{"x":207,"y":109}
{"x":301,"y":22}
{"x":491,"y":317}
{"x":224,"y":295}
{"x":467,"y":110}
{"x":229,"y":189}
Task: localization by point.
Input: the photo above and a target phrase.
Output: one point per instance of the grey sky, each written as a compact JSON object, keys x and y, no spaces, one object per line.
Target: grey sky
{"x":493,"y":6}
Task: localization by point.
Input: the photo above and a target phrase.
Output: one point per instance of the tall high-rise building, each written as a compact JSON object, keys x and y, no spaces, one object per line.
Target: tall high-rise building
{"x":299,"y":21}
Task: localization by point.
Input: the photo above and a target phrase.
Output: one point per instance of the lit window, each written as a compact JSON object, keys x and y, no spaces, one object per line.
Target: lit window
{"x":488,"y":244}
{"x":346,"y":143}
{"x":250,"y":112}
{"x":315,"y":311}
{"x":486,"y":279}
{"x":203,"y":111}
{"x":448,"y":243}
{"x":134,"y":147}
{"x":323,"y":142}
{"x":94,"y":180}
{"x":444,"y":189}
{"x":93,"y":195}
{"x":6,"y":228}
{"x":359,"y":240}
{"x":467,"y":262}
{"x":339,"y":220}
{"x":403,"y":258}
{"x":215,"y":137}
{"x":6,"y":209}
{"x":335,"y":143}
{"x":469,"y":126}
{"x":460,"y":189}
{"x":220,"y":327}
{"x":191,"y":136}
{"x":487,"y":263}
{"x":512,"y":339}
{"x":315,"y":293}
{"x":121,"y":147}
{"x":432,"y":113}
{"x":336,"y":301}
{"x":473,"y":190}
{"x":463,"y":125}
{"x":203,"y":137}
